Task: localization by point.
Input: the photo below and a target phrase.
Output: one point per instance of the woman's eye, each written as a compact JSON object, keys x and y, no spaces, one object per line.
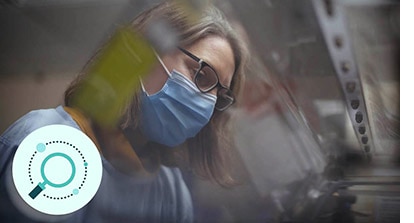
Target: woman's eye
{"x":191,"y":71}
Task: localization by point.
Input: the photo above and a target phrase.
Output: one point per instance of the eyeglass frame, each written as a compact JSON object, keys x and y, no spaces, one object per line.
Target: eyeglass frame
{"x":202,"y":64}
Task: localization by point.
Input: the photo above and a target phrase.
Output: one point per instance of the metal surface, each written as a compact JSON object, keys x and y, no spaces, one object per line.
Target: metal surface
{"x":331,"y":17}
{"x":333,"y":66}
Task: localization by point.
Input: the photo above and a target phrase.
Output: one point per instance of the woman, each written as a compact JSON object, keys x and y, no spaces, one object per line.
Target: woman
{"x":177,"y":116}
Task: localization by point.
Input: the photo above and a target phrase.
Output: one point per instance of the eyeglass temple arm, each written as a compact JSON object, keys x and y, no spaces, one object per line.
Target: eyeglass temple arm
{"x":189,"y":54}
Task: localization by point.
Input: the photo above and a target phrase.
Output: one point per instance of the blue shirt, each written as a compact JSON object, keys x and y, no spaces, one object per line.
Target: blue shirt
{"x":120,"y":198}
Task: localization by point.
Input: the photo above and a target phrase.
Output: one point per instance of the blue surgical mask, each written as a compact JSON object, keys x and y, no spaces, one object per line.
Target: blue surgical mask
{"x":175,"y":113}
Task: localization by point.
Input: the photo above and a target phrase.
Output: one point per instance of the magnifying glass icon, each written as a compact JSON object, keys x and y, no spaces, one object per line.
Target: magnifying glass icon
{"x":41,"y":186}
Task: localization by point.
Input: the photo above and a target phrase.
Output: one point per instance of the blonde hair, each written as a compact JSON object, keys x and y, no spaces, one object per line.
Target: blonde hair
{"x":208,"y":151}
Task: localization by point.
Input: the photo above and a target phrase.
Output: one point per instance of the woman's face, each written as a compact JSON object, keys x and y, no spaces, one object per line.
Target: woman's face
{"x":214,"y":50}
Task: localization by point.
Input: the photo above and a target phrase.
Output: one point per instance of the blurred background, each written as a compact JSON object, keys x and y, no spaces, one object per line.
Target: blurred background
{"x":318,"y":133}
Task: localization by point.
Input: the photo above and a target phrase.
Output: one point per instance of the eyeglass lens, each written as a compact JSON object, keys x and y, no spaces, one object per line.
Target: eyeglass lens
{"x":206,"y":79}
{"x":225,"y":99}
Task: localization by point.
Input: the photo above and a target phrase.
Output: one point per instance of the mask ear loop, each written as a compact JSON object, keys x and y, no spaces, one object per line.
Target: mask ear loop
{"x":163,"y":66}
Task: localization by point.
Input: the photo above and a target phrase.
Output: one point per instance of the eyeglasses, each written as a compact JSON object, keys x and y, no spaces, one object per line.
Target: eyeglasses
{"x":206,"y":79}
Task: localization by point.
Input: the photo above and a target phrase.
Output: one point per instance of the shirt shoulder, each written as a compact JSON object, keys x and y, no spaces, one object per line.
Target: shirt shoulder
{"x":36,"y":119}
{"x":15,"y":133}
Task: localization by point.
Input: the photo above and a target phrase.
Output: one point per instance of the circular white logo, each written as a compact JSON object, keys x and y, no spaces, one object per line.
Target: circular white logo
{"x":57,"y":169}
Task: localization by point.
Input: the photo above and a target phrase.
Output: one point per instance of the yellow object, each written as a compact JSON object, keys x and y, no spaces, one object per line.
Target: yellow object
{"x":114,"y":77}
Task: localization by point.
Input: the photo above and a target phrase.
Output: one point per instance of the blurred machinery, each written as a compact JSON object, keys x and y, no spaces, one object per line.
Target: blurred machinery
{"x":318,"y":130}
{"x":325,"y":146}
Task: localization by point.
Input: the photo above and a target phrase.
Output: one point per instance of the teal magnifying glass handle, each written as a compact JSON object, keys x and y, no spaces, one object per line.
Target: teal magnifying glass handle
{"x":36,"y":191}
